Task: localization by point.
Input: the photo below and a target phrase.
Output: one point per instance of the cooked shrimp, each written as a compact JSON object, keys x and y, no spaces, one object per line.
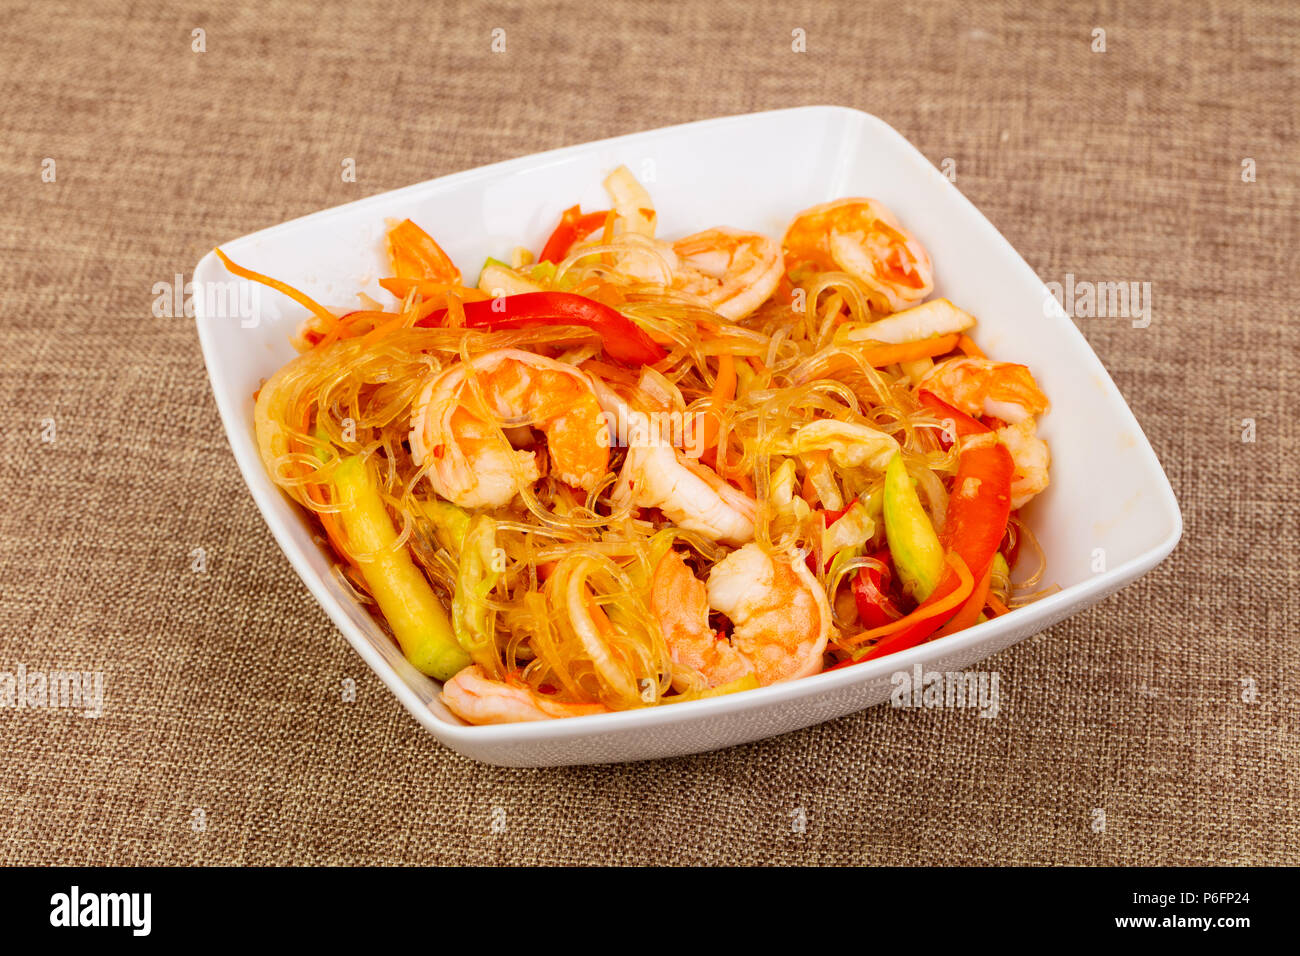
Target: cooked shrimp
{"x":862,"y":237}
{"x":691,"y":495}
{"x":779,"y":614}
{"x":477,"y":699}
{"x":1030,"y":457}
{"x":645,"y":260}
{"x":680,"y":603}
{"x":978,"y":386}
{"x":473,"y":464}
{"x":734,"y":271}
{"x":656,"y":474}
{"x":631,"y":247}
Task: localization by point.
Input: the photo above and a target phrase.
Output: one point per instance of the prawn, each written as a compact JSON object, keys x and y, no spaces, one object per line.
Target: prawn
{"x":656,"y":474}
{"x":1030,"y":459}
{"x":780,"y":617}
{"x":679,"y":602}
{"x":472,"y":462}
{"x":1005,"y":391}
{"x":691,"y":495}
{"x":979,"y":386}
{"x":863,"y":238}
{"x":476,"y":699}
{"x":735,"y":272}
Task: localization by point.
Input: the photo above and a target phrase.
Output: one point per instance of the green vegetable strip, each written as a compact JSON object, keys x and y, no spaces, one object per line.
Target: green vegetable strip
{"x":478,"y":575}
{"x":410,"y":605}
{"x":914,"y":546}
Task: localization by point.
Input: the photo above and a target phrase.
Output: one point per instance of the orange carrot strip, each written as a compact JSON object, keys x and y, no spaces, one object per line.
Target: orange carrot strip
{"x":283,"y":288}
{"x":966,"y":345}
{"x":882,"y":355}
{"x":429,"y":288}
{"x":346,"y":327}
{"x":379,"y":331}
{"x":724,"y":390}
{"x":970,"y":610}
{"x":996,"y":606}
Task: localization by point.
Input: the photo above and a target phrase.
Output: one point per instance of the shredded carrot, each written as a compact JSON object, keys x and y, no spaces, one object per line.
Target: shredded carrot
{"x":427,"y":308}
{"x":349,"y":325}
{"x":396,"y":321}
{"x":946,"y":604}
{"x":882,"y":355}
{"x":431,"y":289}
{"x":809,"y":489}
{"x":724,"y":390}
{"x":966,"y":345}
{"x":996,"y":606}
{"x":301,"y":298}
{"x":970,"y":610}
{"x":455,"y":312}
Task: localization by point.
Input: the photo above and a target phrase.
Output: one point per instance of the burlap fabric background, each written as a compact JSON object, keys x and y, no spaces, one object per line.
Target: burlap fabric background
{"x":223,"y":688}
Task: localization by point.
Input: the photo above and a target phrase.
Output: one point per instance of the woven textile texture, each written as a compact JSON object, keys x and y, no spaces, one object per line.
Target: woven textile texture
{"x":1162,"y":726}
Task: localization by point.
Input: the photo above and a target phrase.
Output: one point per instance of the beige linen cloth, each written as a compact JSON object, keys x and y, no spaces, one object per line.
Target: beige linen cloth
{"x":1158,"y":727}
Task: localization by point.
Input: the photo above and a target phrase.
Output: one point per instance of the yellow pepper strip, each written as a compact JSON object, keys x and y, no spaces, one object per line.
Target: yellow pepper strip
{"x":915,"y":547}
{"x":412,"y":609}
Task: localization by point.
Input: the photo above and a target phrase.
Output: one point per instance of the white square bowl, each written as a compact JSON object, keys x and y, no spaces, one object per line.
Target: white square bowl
{"x":1108,"y":491}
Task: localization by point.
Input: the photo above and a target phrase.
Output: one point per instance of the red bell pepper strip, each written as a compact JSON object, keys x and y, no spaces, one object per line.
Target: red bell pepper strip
{"x":621,"y":338}
{"x":962,"y":425}
{"x":574,"y":227}
{"x":977,"y":519}
{"x":870,"y":592}
{"x":832,"y":515}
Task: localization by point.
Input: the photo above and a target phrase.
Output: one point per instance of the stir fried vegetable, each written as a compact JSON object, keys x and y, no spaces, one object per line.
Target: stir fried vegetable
{"x":622,"y":340}
{"x":412,"y":609}
{"x":477,"y":576}
{"x":912,"y":542}
{"x":574,"y":226}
